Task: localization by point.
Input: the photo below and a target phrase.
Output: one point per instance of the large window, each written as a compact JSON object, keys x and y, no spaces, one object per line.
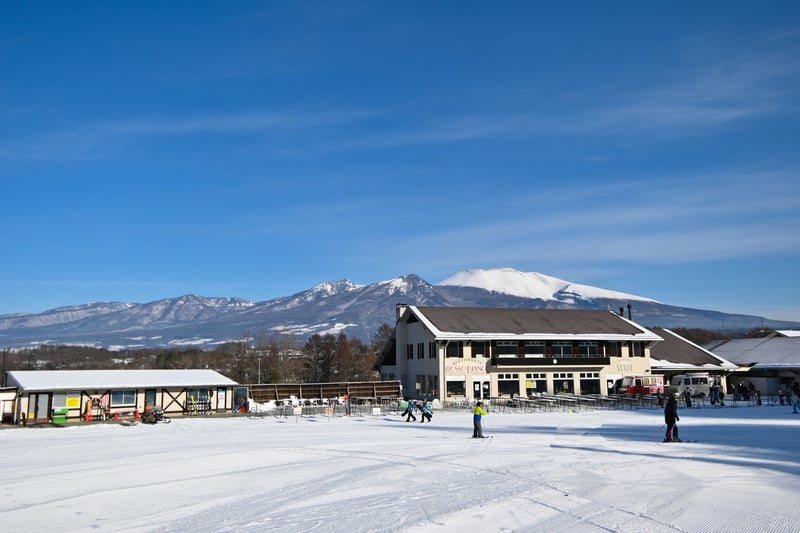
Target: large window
{"x":456,"y":388}
{"x":613,"y":349}
{"x":507,"y":348}
{"x":508,"y":384}
{"x":562,"y":349}
{"x":122,"y":398}
{"x":420,"y":350}
{"x":562,"y":383}
{"x":433,"y":385}
{"x":534,"y":349}
{"x":588,"y":349}
{"x":637,"y":350}
{"x":432,"y":350}
{"x":409,"y":351}
{"x":197,"y":394}
{"x":535,"y":383}
{"x":590,"y":382}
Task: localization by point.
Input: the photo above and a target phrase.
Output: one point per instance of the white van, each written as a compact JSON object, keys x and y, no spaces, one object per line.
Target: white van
{"x":699,"y":383}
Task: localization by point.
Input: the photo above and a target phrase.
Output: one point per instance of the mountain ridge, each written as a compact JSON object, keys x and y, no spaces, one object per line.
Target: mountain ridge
{"x":333,"y":307}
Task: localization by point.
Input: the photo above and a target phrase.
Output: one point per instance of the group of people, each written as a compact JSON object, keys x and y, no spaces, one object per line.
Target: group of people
{"x":478,"y":412}
{"x":424,"y":408}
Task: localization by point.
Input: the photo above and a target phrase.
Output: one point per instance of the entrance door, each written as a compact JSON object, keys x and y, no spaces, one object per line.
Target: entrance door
{"x":481,"y":389}
{"x":149,"y":398}
{"x":221,"y":399}
{"x":39,"y":407}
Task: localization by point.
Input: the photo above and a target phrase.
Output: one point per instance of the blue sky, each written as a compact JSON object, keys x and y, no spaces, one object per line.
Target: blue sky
{"x":256,"y":149}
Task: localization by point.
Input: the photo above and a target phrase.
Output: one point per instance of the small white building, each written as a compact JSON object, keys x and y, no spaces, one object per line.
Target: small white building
{"x":479,"y":353}
{"x":45,"y":395}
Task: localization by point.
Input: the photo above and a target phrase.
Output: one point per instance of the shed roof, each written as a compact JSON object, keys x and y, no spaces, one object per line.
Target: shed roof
{"x":53,"y":380}
{"x":470,"y":322}
{"x":676,"y":352}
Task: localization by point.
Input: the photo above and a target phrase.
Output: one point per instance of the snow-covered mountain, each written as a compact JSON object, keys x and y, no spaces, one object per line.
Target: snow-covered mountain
{"x":333,"y":307}
{"x":533,"y":285}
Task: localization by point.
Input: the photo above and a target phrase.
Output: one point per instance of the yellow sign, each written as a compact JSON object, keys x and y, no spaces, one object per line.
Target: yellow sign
{"x":73,"y":402}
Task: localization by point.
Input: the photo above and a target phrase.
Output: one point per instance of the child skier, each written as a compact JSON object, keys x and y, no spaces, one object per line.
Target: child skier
{"x":410,"y":411}
{"x":427,"y":412}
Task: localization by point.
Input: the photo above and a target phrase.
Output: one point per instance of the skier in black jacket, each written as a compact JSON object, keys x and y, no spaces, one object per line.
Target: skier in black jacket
{"x":670,"y":417}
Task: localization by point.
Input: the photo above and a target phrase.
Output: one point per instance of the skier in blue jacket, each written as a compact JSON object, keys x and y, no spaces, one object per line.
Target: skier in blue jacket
{"x":427,"y":412}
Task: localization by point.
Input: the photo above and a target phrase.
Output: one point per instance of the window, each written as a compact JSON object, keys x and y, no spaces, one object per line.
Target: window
{"x":197,"y":394}
{"x":508,"y":383}
{"x":456,"y":388}
{"x":588,"y":349}
{"x":455,"y":349}
{"x":433,"y":385}
{"x":506,"y":348}
{"x":421,"y":350}
{"x":534,"y":349}
{"x":121,"y":398}
{"x":613,"y":349}
{"x":636,"y":349}
{"x":535,"y":382}
{"x":59,"y":400}
{"x":479,"y":349}
{"x":562,"y":383}
{"x":590,"y":382}
{"x":432,"y":350}
{"x":562,"y":349}
{"x":420,"y":384}
{"x":409,"y":351}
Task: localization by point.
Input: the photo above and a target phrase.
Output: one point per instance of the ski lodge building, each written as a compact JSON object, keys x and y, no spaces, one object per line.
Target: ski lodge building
{"x":454,"y":353}
{"x":61,"y":395}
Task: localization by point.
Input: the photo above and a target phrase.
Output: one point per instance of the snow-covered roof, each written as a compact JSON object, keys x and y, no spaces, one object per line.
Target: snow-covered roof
{"x":768,"y":352}
{"x":50,"y":380}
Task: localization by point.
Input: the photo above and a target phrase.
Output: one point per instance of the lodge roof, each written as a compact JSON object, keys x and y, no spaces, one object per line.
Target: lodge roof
{"x":53,"y":380}
{"x":470,"y":322}
{"x":676,"y":352}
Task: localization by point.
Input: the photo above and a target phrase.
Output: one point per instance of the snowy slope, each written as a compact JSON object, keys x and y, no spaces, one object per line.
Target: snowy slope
{"x":533,"y":285}
{"x":587,"y":471}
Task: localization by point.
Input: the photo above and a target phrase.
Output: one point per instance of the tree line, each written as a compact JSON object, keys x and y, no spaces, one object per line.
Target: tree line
{"x":263,"y":358}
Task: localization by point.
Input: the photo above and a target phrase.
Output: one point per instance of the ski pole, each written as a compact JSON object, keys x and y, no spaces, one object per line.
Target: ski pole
{"x":656,"y":432}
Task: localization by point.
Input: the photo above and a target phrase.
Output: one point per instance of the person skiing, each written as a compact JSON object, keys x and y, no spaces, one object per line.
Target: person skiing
{"x":410,"y":411}
{"x":477,"y":426}
{"x":795,"y":402}
{"x":427,"y":412}
{"x":670,"y":417}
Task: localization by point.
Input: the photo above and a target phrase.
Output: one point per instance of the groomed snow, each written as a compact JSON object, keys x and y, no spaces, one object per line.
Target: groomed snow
{"x":585,"y":471}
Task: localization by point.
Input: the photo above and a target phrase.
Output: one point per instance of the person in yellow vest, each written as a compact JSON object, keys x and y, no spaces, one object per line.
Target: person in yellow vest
{"x":477,"y":426}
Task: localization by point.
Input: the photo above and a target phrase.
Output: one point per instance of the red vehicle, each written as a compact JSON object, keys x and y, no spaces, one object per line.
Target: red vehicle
{"x":641,"y":385}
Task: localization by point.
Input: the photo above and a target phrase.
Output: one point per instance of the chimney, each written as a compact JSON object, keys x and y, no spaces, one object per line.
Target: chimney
{"x":629,"y":312}
{"x":622,"y":311}
{"x":399,"y":310}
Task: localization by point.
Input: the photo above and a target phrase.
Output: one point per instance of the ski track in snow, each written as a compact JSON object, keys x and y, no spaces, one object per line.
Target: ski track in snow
{"x":589,"y":471}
